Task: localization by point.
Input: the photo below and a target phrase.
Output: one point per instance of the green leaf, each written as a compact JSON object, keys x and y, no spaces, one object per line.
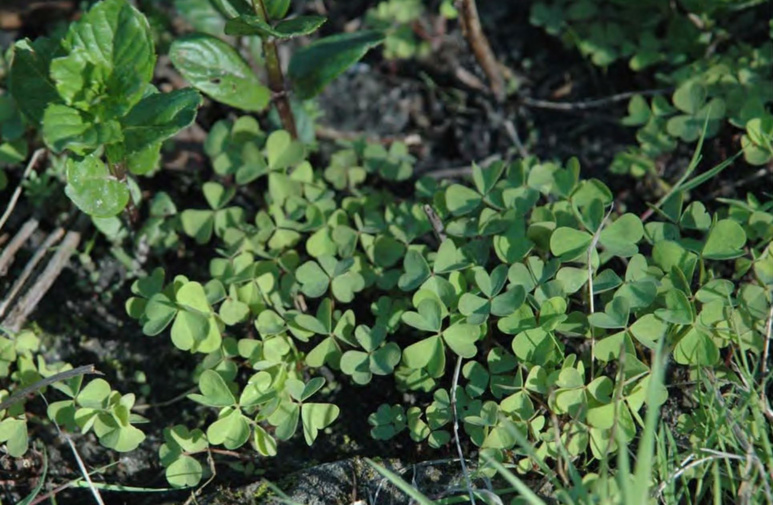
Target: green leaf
{"x":461,"y":200}
{"x":690,"y":97}
{"x":345,"y":286}
{"x":475,"y":308}
{"x":215,"y":391}
{"x":615,"y":315}
{"x":202,"y":15}
{"x":428,"y":318}
{"x":416,"y":271}
{"x":68,"y":128}
{"x":158,"y":117}
{"x":29,"y":81}
{"x":388,"y":251}
{"x":315,"y":417}
{"x":283,"y":151}
{"x":198,"y":224}
{"x":286,"y":29}
{"x":620,"y":237}
{"x":569,"y":243}
{"x":449,"y":258}
{"x":486,"y":178}
{"x":94,"y":189}
{"x":316,"y":65}
{"x":94,"y":395}
{"x":216,"y":69}
{"x":314,"y":281}
{"x":696,"y":349}
{"x":679,"y":310}
{"x":461,"y":338}
{"x":725,"y":241}
{"x":110,"y":51}
{"x":648,"y":330}
{"x":185,"y":471}
{"x":232,"y":430}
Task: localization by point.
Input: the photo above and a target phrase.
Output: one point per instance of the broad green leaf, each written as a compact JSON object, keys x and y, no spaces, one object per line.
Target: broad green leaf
{"x":461,"y":200}
{"x":69,"y":128}
{"x":461,"y":338}
{"x":198,"y":224}
{"x":92,"y":187}
{"x":648,"y":330}
{"x":449,"y":258}
{"x":615,"y":315}
{"x":216,"y":69}
{"x":286,"y":29}
{"x":202,"y":16}
{"x":112,"y":47}
{"x":28,"y":81}
{"x":345,"y":286}
{"x":486,"y":178}
{"x":157,"y":117}
{"x":696,"y":349}
{"x":283,"y":151}
{"x":416,"y":271}
{"x":232,"y":430}
{"x":215,"y":391}
{"x":725,"y":241}
{"x":679,"y":310}
{"x":475,"y":308}
{"x":620,"y":237}
{"x":690,"y":97}
{"x":428,"y":318}
{"x":315,"y":417}
{"x":317,"y":64}
{"x":94,"y":395}
{"x":569,"y":243}
{"x":314,"y":281}
{"x":185,"y":471}
{"x":388,"y":251}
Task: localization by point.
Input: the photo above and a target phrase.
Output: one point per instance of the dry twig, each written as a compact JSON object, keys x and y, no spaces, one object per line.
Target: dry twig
{"x":473,"y":32}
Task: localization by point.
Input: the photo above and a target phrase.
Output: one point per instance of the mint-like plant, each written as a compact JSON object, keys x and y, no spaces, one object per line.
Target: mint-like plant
{"x":90,"y":95}
{"x":217,"y":69}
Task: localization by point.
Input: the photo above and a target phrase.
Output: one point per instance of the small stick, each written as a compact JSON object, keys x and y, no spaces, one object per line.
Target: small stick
{"x":52,"y":238}
{"x":6,"y":257}
{"x":591,"y":248}
{"x":17,"y":192}
{"x":434,"y":220}
{"x":61,"y":376}
{"x":30,"y":300}
{"x":437,"y":225}
{"x":456,"y":429}
{"x":473,"y":32}
{"x":589,"y":104}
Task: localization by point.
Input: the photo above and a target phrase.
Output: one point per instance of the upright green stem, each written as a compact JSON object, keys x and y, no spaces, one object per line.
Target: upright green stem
{"x":276,"y":81}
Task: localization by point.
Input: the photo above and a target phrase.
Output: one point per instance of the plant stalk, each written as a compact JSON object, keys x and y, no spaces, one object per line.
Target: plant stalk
{"x":276,"y":81}
{"x":476,"y":38}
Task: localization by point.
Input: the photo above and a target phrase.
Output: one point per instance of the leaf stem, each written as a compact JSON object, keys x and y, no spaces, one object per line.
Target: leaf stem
{"x":276,"y":81}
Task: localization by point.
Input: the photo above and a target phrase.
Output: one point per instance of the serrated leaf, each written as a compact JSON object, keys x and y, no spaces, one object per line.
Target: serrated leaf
{"x":157,"y":117}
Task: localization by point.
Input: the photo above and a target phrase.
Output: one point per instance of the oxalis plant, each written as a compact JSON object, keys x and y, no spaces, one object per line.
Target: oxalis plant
{"x":526,"y":279}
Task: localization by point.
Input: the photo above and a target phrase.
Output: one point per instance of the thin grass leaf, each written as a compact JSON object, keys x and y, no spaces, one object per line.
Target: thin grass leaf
{"x":514,"y":481}
{"x":401,"y":484}
{"x":41,"y":480}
